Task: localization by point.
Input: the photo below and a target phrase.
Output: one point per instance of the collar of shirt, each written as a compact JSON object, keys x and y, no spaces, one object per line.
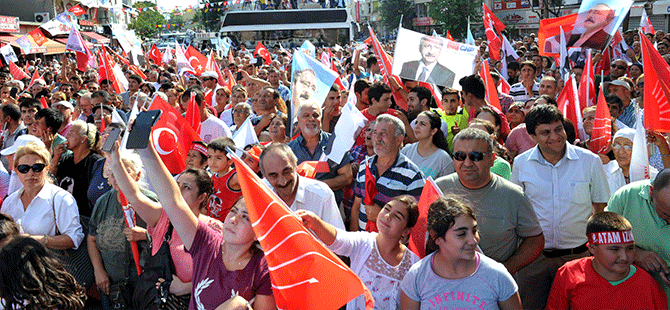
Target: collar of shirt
{"x":536,"y":155}
{"x":422,"y":65}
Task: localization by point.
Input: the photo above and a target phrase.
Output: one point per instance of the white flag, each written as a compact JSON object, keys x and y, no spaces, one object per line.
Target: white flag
{"x":8,"y":53}
{"x":245,"y":135}
{"x":346,"y":130}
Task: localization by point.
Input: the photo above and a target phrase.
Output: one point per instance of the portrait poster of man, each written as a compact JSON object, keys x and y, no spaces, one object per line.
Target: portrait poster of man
{"x":431,"y":59}
{"x":310,"y":81}
{"x":596,"y":23}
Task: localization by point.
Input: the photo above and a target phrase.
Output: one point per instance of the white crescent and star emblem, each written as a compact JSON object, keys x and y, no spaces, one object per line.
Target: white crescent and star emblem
{"x":156,"y":139}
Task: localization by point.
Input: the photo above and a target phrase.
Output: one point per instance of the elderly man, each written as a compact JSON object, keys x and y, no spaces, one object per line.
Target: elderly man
{"x":85,"y":106}
{"x":309,"y":146}
{"x":647,"y":206}
{"x":394,"y":174}
{"x":428,"y":69}
{"x":279,"y":166}
{"x":621,"y":89}
{"x":565,"y":184}
{"x":509,"y":230}
{"x":594,"y":35}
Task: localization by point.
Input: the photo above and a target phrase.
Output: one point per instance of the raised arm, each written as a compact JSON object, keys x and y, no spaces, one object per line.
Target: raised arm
{"x":323,"y":230}
{"x":167,"y":190}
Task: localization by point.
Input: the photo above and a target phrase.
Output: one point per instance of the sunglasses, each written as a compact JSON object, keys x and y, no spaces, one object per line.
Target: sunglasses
{"x":618,"y":67}
{"x":618,"y":146}
{"x":25,"y":168}
{"x":474,"y":156}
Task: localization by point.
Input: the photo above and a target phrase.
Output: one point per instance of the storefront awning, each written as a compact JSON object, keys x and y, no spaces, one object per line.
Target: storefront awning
{"x":95,"y":38}
{"x":11,"y":40}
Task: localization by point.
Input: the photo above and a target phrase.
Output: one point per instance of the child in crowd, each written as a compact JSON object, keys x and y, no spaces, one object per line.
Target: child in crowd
{"x":608,"y":279}
{"x":455,"y":116}
{"x":227,"y":188}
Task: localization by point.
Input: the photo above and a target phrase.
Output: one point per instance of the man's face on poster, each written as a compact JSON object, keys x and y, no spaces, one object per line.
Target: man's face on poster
{"x":598,"y":17}
{"x":430,"y":49}
{"x":305,"y":86}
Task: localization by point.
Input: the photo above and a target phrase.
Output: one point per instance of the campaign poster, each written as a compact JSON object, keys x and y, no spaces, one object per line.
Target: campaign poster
{"x":310,"y":80}
{"x":430,"y":59}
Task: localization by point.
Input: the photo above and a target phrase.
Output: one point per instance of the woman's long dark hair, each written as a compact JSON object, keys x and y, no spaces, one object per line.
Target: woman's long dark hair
{"x":32,"y":278}
{"x":436,"y":123}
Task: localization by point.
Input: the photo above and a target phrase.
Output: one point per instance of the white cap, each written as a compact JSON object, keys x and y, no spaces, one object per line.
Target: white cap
{"x":64,"y":103}
{"x":209,"y":74}
{"x":21,"y":140}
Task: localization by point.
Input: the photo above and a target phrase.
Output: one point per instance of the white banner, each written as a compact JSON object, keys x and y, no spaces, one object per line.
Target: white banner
{"x":430,"y":59}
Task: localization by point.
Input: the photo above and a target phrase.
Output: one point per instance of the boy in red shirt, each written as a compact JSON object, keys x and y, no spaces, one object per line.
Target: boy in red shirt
{"x":607,"y":280}
{"x":226,"y":185}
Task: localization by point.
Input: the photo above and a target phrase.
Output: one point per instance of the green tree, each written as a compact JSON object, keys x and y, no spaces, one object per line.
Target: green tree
{"x":392,"y":10}
{"x":453,"y":15}
{"x":145,"y":22}
{"x":177,"y":19}
{"x":210,"y":14}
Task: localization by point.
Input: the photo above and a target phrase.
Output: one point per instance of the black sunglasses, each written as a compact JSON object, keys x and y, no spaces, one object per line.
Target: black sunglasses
{"x":618,"y":67}
{"x":25,"y":168}
{"x":474,"y":156}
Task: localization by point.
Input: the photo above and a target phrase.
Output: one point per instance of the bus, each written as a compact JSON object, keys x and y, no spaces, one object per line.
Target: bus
{"x":290,"y":28}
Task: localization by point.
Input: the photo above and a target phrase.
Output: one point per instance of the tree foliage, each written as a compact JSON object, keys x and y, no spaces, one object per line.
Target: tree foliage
{"x":392,"y":10}
{"x":210,"y":17}
{"x":145,"y":22}
{"x":453,"y":15}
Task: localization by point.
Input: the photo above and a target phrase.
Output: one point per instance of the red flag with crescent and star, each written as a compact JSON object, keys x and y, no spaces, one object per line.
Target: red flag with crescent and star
{"x":263,"y":52}
{"x":155,"y":54}
{"x":172,"y":136}
{"x":197,"y":60}
{"x":305,"y":274}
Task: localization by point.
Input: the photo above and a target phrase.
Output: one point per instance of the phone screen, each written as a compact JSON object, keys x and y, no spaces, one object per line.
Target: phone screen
{"x":138,"y":138}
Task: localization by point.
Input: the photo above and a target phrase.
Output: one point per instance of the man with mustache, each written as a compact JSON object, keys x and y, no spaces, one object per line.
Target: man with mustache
{"x":428,"y":69}
{"x":309,"y":146}
{"x":597,"y":18}
{"x":304,"y":86}
{"x":280,"y":169}
{"x":394,"y":174}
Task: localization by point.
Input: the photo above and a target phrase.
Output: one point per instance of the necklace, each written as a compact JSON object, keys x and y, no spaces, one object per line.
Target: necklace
{"x":223,"y":257}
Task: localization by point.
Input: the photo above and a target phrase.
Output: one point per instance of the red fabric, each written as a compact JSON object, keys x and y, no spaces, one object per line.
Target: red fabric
{"x":45,"y":105}
{"x":310,"y":168}
{"x":137,"y":71}
{"x":38,"y":36}
{"x":370,"y":186}
{"x":305,"y":274}
{"x":385,"y":69}
{"x":550,"y":27}
{"x":417,"y":238}
{"x":196,"y":59}
{"x":603,"y":66}
{"x":155,"y":54}
{"x":492,"y":26}
{"x":587,"y":83}
{"x":231,"y":81}
{"x":133,"y":244}
{"x":371,"y":226}
{"x":602,"y":127}
{"x":106,"y":71}
{"x":435,"y":91}
{"x":449,"y":36}
{"x":656,"y":88}
{"x":263,"y":52}
{"x":16,"y":72}
{"x":223,"y":198}
{"x":578,"y":286}
{"x":491,"y":90}
{"x":170,"y":125}
{"x":230,"y":56}
{"x":77,"y":10}
{"x":504,"y":86}
{"x":193,"y":114}
{"x":36,"y":76}
{"x":360,"y":140}
{"x":123,"y":58}
{"x":493,"y":19}
{"x":568,"y":103}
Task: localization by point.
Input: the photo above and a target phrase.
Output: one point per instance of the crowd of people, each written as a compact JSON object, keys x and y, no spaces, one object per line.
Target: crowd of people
{"x":530,"y":218}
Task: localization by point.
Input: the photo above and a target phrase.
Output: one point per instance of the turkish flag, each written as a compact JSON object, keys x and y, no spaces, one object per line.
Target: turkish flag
{"x":603,"y":66}
{"x":492,"y":26}
{"x":43,"y":101}
{"x":16,"y":72}
{"x":263,"y":52}
{"x":77,"y":10}
{"x":417,"y":238}
{"x":656,"y":88}
{"x":305,"y":274}
{"x":491,"y":90}
{"x":38,"y":36}
{"x":155,"y":54}
{"x":587,"y":91}
{"x":137,"y":71}
{"x":193,"y":114}
{"x":310,"y":168}
{"x":172,"y":136}
{"x":196,"y":59}
{"x":602,"y":127}
{"x":106,"y":71}
{"x":568,"y":103}
{"x":435,"y":91}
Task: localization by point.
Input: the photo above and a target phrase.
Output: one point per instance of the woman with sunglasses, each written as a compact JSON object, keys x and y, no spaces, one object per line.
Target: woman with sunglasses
{"x":430,"y":152}
{"x":39,"y":206}
{"x":453,"y":268}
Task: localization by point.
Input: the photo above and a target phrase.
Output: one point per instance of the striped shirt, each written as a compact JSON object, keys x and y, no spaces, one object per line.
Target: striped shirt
{"x":402,"y":178}
{"x":518,"y":91}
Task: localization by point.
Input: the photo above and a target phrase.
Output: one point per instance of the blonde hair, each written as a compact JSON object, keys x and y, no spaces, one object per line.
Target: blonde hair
{"x":32,"y":148}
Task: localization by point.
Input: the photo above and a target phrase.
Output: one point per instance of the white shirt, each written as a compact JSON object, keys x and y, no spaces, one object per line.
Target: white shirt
{"x":615,"y":177}
{"x":316,"y":196}
{"x":562,"y":194}
{"x":429,"y":68}
{"x":38,"y":217}
{"x":213,"y":128}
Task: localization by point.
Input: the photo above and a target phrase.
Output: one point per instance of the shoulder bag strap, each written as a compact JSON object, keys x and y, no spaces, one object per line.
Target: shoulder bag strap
{"x":53,"y":208}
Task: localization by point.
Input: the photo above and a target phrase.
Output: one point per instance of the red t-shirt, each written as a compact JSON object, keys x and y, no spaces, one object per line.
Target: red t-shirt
{"x":578,"y":286}
{"x":223,"y":197}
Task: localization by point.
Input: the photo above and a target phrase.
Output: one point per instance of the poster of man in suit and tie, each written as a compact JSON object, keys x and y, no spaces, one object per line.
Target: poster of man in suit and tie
{"x":431,"y":59}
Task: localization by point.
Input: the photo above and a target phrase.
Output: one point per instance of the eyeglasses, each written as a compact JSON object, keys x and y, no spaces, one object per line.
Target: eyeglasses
{"x":617,"y":146}
{"x":25,"y":168}
{"x":474,"y":156}
{"x":618,"y":67}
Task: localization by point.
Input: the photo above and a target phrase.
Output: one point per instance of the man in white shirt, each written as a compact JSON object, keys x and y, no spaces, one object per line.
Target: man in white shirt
{"x":565,"y":184}
{"x":280,"y":169}
{"x":211,"y":127}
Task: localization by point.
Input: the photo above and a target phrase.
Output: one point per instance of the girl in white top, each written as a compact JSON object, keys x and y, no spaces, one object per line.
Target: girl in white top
{"x":379,"y":259}
{"x":430,"y":152}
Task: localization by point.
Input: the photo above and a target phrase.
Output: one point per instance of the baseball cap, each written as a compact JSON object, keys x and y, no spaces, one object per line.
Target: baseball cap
{"x":66,"y":104}
{"x":209,"y":74}
{"x":618,"y":83}
{"x":21,"y":140}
